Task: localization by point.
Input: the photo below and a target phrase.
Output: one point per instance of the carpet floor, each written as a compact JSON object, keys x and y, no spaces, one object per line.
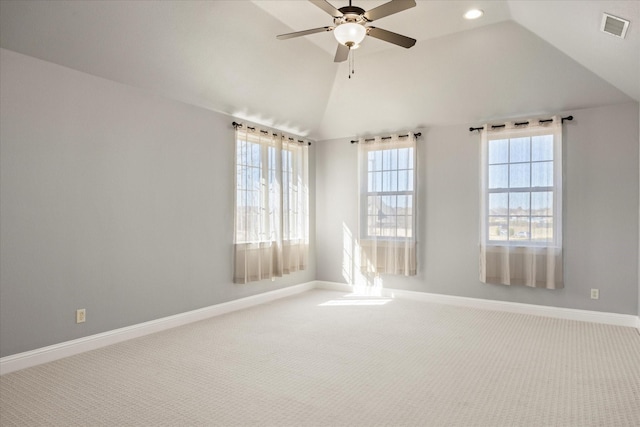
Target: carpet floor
{"x":324,"y":358}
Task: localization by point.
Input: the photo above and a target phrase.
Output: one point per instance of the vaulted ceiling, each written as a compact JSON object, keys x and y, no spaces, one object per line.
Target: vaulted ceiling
{"x":521,"y":58}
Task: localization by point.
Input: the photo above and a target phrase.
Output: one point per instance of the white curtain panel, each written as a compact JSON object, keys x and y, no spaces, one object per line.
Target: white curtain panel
{"x":387,"y":193}
{"x":271,"y":230}
{"x":521,"y":204}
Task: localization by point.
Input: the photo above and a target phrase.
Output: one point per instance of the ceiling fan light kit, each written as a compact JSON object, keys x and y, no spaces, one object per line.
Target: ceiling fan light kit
{"x":350,"y":34}
{"x":350,"y":26}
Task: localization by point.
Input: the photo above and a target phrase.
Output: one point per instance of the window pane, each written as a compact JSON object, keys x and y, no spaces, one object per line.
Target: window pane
{"x":542,"y":203}
{"x":376,"y":157}
{"x":542,"y":148}
{"x":498,"y":228}
{"x":372,"y":205}
{"x":371,"y":161}
{"x":254,"y":176}
{"x":519,"y":203}
{"x":286,"y":160}
{"x":519,"y":175}
{"x":390,"y":181}
{"x":403,"y":181}
{"x":376,"y":181}
{"x":542,"y":174}
{"x":388,"y":206}
{"x":393,"y":162}
{"x":404,"y":226}
{"x":519,"y":150}
{"x":386,"y":160}
{"x":498,"y":176}
{"x":498,"y":151}
{"x":498,"y":203}
{"x":271,"y":157}
{"x":519,"y":228}
{"x":403,"y":206}
{"x":255,"y":154}
{"x":372,"y":229}
{"x":542,"y":229}
{"x":403,"y":159}
{"x":388,"y":227}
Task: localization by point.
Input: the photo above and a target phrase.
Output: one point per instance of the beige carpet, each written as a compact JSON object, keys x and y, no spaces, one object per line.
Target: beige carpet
{"x":326,"y":359}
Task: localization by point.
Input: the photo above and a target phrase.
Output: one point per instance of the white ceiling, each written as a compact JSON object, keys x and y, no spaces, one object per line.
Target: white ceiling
{"x":521,"y":58}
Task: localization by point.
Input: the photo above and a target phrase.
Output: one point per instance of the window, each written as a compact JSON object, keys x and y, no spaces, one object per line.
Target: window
{"x":251,"y":174}
{"x":271,"y":205}
{"x":387,"y":191}
{"x":389,"y":197}
{"x":521,"y":204}
{"x":520,"y":190}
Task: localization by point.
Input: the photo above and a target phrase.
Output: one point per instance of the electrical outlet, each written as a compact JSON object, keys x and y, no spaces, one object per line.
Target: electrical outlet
{"x":595,"y":293}
{"x":81,"y":315}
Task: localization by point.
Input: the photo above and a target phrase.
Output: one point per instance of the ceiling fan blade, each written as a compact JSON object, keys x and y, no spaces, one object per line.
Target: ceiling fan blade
{"x":303,"y":33}
{"x":394,"y":6}
{"x":342,"y":53}
{"x":324,"y":5}
{"x":390,"y":37}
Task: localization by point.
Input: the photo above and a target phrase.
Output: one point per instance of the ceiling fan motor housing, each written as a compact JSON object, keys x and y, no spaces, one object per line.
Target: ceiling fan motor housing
{"x":350,"y":14}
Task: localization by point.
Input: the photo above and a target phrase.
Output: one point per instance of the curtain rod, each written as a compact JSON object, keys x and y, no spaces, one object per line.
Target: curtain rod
{"x":237,"y":125}
{"x":388,"y":137}
{"x":521,"y":123}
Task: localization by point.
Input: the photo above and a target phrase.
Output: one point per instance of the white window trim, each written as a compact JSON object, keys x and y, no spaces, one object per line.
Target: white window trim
{"x":365,"y":194}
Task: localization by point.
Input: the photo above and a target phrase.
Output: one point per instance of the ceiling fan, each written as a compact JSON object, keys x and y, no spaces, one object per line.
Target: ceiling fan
{"x":350,"y":25}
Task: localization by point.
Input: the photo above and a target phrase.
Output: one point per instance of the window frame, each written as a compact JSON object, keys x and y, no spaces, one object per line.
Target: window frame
{"x":365,"y":173}
{"x":270,"y":168}
{"x":555,"y":214}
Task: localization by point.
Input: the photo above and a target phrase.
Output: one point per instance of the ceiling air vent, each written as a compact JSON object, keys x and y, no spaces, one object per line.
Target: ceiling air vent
{"x":614,"y":25}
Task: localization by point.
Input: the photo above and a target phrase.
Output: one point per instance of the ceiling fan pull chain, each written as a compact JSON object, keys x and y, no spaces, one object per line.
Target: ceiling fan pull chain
{"x":352,"y":62}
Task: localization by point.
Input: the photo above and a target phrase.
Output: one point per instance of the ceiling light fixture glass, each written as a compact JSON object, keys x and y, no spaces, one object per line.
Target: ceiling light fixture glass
{"x":473,"y":14}
{"x":350,"y":34}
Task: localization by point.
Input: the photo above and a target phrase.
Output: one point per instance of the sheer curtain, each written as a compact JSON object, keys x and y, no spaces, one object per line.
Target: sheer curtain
{"x":271,"y":235}
{"x":387,"y":193}
{"x":521,"y":204}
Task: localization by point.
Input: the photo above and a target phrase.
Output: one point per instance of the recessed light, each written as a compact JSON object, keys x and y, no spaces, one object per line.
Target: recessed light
{"x":473,"y":14}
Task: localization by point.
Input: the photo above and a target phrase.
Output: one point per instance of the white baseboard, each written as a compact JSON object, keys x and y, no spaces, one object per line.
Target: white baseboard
{"x":50,"y":353}
{"x":512,"y":307}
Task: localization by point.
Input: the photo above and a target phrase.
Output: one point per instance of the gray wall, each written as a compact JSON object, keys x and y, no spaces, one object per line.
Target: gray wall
{"x":601,"y":219}
{"x":112,"y":200}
